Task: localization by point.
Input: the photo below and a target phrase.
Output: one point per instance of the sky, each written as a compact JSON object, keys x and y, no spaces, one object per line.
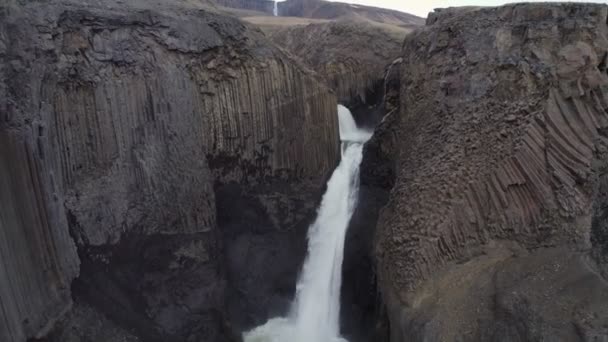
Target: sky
{"x":423,"y":7}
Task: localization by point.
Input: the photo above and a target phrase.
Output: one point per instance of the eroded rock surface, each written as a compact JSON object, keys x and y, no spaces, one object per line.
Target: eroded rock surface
{"x":351,"y":55}
{"x":501,"y":153}
{"x":119,"y":120}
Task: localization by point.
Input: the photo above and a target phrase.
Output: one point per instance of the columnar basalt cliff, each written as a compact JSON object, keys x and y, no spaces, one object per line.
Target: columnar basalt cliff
{"x":502,"y":144}
{"x":160,"y":163}
{"x":118,"y":121}
{"x":351,"y":55}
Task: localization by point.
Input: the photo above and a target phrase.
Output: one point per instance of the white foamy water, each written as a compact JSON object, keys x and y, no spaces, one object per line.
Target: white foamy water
{"x":348,"y":128}
{"x":275,"y":10}
{"x":315,"y":312}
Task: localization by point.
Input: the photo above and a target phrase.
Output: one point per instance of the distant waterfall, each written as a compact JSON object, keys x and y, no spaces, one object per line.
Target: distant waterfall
{"x":315,"y":312}
{"x":275,"y":10}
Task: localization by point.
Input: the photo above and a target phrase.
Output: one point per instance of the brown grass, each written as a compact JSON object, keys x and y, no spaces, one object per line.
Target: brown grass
{"x":268,"y":23}
{"x":282,"y":21}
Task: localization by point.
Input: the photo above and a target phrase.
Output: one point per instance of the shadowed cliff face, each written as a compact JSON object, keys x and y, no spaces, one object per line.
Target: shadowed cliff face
{"x":118,"y":123}
{"x":363,"y":310}
{"x":499,"y":175}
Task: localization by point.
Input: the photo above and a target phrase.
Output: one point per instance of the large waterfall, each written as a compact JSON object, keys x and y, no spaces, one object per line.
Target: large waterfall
{"x":315,"y":312}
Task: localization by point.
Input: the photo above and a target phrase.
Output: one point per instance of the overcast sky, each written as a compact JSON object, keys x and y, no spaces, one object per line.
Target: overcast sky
{"x":422,"y":7}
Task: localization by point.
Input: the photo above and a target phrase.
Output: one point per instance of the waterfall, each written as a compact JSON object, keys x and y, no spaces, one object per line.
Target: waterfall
{"x":275,"y":10}
{"x":315,"y":312}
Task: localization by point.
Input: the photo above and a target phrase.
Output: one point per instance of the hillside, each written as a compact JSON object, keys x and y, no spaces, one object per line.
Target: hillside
{"x":319,"y":9}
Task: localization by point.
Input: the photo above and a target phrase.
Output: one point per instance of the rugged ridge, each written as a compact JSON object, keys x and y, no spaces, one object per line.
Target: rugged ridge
{"x":118,"y":121}
{"x":501,"y":155}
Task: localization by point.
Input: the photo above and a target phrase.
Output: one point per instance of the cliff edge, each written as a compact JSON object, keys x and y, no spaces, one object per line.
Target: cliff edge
{"x":493,"y":226}
{"x":118,"y":119}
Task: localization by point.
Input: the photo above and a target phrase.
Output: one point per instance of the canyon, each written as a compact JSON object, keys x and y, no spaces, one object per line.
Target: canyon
{"x":161,"y":162}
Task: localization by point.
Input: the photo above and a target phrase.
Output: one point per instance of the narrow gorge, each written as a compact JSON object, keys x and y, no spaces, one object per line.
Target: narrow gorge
{"x":315,"y":312}
{"x":191,"y":171}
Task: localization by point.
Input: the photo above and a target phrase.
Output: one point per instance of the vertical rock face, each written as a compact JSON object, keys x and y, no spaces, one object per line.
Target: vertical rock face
{"x":38,"y":256}
{"x":502,"y":152}
{"x":116,"y":121}
{"x":352,"y":56}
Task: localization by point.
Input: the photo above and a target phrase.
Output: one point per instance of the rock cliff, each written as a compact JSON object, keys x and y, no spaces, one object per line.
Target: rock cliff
{"x":499,"y":201}
{"x":160,"y":163}
{"x":351,"y":55}
{"x":118,"y":123}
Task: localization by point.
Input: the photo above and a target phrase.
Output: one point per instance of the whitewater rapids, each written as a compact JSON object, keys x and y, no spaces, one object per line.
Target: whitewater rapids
{"x":315,"y":311}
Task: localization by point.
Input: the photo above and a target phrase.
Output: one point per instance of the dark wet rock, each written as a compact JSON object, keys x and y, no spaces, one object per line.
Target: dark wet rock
{"x":264,"y":230}
{"x":86,"y":324}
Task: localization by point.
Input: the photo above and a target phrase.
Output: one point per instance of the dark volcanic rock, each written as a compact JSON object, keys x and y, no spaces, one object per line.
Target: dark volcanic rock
{"x":361,"y":306}
{"x":116,"y":121}
{"x":356,"y":58}
{"x":264,"y":230}
{"x":362,"y":310}
{"x":352,"y":56}
{"x":499,"y":171}
{"x":37,"y":254}
{"x":86,"y":324}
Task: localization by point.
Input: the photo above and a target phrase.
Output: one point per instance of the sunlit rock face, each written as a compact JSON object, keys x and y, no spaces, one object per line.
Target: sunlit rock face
{"x":119,"y":122}
{"x":500,"y":166}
